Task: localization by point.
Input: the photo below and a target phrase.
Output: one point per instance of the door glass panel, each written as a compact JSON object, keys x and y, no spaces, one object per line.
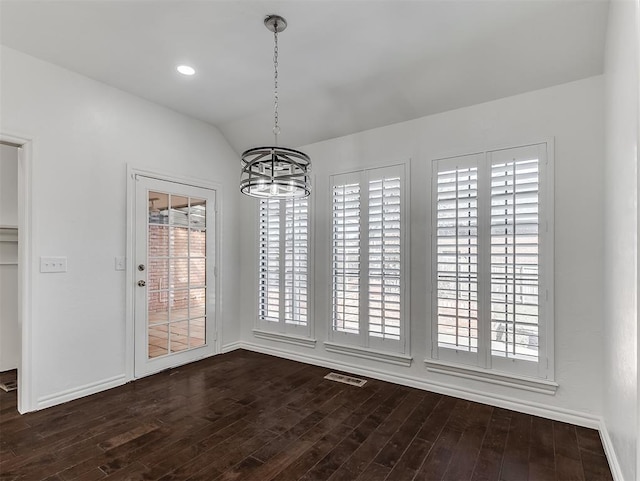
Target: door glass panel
{"x":179,"y":210}
{"x":197,"y":243}
{"x":158,"y":340}
{"x":158,"y":307}
{"x":196,"y":332}
{"x":158,"y":212}
{"x":179,"y":305}
{"x":197,"y":303}
{"x":179,"y":336}
{"x":157,"y":278}
{"x":197,"y":214}
{"x":179,"y":273}
{"x":197,"y":274}
{"x":176,"y":273}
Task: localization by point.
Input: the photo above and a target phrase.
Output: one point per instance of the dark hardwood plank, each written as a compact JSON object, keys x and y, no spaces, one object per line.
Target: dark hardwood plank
{"x":515,"y":460}
{"x":568,"y":462}
{"x":247,"y":416}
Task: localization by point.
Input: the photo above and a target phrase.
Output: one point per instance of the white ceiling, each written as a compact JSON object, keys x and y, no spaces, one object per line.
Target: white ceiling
{"x":345,"y":65}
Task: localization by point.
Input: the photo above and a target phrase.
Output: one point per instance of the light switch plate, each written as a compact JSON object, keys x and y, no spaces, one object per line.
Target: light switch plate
{"x":53,"y":264}
{"x":120,"y":263}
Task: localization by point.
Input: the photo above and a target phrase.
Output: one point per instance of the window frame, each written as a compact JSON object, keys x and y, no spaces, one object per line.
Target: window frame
{"x":482,"y":364}
{"x":281,"y":330}
{"x":363,"y":344}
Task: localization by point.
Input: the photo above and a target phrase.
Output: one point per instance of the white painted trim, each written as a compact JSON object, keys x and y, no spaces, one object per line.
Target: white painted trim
{"x":8,"y":234}
{"x":366,"y":353}
{"x":610,"y":452}
{"x":505,"y":402}
{"x":26,"y":233}
{"x":82,"y":391}
{"x":232,"y":346}
{"x":283,"y":337}
{"x":494,"y":377}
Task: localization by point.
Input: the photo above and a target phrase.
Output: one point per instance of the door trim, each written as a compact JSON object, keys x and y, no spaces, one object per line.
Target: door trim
{"x":25,"y":248}
{"x":132,"y":172}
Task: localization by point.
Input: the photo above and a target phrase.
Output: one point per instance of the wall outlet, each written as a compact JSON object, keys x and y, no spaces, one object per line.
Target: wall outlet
{"x":53,"y":264}
{"x":120,"y":263}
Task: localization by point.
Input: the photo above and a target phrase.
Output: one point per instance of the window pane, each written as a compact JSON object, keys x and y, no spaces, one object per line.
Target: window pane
{"x":296,"y":254}
{"x":384,"y":257}
{"x":514,"y":259}
{"x":269,"y":261}
{"x":456,"y":213}
{"x":346,"y":257}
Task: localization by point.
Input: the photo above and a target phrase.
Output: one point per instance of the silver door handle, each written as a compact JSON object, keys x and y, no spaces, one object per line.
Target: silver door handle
{"x":142,"y":283}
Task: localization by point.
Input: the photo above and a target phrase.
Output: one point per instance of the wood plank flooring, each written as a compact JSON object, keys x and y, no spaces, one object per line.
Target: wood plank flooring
{"x":246,"y":416}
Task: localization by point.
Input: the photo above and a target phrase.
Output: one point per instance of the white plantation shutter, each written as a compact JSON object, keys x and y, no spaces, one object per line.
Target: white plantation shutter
{"x":514,"y":255}
{"x":367,"y":258}
{"x":346,"y":257}
{"x":283,"y":287}
{"x":269,"y":261}
{"x":492,"y":259}
{"x":384,"y":257}
{"x":296,"y":261}
{"x":457,"y":255}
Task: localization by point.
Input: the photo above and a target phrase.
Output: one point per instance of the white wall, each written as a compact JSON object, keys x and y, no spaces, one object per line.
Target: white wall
{"x":9,"y":330}
{"x":621,"y":235}
{"x":84,"y":135}
{"x":573,"y":114}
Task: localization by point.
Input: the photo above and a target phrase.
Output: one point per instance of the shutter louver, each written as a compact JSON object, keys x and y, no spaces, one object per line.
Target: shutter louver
{"x":346,"y":258}
{"x":457,"y":258}
{"x":269,"y":259}
{"x":296,"y":255}
{"x":384,"y":258}
{"x":514,"y":259}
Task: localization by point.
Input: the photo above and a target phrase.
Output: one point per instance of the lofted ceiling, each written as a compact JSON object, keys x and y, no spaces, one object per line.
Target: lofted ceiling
{"x":345,"y":65}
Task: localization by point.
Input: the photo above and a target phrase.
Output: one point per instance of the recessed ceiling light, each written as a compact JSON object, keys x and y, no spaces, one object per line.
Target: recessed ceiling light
{"x":186,"y":70}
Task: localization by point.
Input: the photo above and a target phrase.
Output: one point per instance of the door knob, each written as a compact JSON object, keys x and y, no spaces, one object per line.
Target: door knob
{"x":141,"y":267}
{"x":142,"y":283}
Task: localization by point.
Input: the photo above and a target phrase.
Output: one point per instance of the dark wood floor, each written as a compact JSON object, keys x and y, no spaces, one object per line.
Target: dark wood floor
{"x":246,"y":416}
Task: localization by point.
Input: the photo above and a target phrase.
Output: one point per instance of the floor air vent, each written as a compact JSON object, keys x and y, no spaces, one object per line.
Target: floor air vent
{"x":354,"y":381}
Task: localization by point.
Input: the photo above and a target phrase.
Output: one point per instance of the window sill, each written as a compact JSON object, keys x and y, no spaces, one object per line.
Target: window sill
{"x":503,"y":379}
{"x":288,"y":338}
{"x":388,"y":357}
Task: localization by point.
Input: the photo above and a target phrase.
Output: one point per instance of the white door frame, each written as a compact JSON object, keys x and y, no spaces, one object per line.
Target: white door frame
{"x":25,"y":249}
{"x":132,"y":172}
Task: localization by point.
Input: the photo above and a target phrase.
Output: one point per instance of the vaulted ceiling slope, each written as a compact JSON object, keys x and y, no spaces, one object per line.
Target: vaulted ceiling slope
{"x":345,"y":65}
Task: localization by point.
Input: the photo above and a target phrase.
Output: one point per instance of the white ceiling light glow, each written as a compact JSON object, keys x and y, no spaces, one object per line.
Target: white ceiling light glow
{"x":274,"y":171}
{"x":186,"y":70}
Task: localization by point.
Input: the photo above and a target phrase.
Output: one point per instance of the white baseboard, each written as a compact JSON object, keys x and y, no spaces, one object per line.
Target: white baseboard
{"x":607,"y":444}
{"x":232,"y":346}
{"x":535,"y":409}
{"x":75,"y":393}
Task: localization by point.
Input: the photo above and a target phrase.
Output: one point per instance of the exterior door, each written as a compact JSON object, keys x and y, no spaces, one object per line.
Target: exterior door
{"x":173,"y":274}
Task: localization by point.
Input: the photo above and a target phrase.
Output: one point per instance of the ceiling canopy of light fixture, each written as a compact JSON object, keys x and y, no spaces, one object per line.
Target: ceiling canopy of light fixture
{"x":273,"y":171}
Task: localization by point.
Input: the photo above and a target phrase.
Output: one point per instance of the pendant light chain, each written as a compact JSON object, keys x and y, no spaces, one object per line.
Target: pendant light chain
{"x":276,"y":127}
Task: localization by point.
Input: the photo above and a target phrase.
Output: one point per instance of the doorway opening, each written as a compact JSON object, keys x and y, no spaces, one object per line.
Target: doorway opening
{"x":14,"y":277}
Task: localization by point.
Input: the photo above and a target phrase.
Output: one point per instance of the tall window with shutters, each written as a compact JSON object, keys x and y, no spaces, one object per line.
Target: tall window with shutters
{"x":368,"y":270}
{"x":283,"y":277}
{"x":493,"y":260}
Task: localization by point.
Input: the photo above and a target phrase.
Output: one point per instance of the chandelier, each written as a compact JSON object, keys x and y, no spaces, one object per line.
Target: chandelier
{"x":273,"y":171}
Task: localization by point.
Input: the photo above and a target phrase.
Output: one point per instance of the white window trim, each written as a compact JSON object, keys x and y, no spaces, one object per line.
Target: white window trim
{"x":494,"y":377}
{"x":281,"y":331}
{"x":458,"y":363}
{"x":356,"y":344}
